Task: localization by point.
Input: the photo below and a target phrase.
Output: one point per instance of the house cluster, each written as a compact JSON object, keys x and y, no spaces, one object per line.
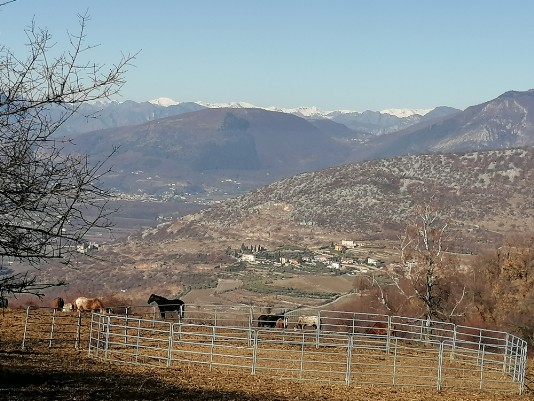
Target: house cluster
{"x":333,"y":259}
{"x":86,"y":247}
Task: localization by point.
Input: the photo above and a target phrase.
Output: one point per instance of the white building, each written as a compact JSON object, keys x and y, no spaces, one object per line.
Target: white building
{"x":247,"y":257}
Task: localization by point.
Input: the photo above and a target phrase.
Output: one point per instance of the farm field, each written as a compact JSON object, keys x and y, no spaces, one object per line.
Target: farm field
{"x":68,"y":374}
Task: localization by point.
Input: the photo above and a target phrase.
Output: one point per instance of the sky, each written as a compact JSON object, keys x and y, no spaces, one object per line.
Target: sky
{"x":332,"y":54}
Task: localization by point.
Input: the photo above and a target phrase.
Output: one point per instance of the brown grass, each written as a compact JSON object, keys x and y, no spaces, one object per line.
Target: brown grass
{"x":67,"y":374}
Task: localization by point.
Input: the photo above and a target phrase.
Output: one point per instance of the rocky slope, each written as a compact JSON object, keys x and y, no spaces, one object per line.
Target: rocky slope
{"x":504,"y":122}
{"x":485,"y":194}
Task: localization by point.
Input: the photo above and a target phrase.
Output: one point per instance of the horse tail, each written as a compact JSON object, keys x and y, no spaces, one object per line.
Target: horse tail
{"x":182,"y":311}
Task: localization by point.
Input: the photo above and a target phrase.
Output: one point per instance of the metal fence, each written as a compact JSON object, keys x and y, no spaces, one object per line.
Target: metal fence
{"x":349,"y":348}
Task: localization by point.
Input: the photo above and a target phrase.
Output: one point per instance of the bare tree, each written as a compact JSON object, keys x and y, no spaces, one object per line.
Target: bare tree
{"x":429,"y":281}
{"x":49,"y":199}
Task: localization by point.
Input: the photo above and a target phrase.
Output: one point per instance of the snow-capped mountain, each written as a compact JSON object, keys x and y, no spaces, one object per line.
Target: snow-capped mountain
{"x":504,"y":122}
{"x":164,"y":101}
{"x":115,"y":114}
{"x":228,"y":105}
{"x":401,"y":113}
{"x":303,"y":111}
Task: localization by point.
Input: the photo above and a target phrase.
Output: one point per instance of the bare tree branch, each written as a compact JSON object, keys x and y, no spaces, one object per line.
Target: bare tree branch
{"x":427,"y":279}
{"x":49,"y":199}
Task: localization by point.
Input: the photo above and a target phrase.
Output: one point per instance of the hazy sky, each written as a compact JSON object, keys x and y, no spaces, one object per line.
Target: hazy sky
{"x":333,"y":54}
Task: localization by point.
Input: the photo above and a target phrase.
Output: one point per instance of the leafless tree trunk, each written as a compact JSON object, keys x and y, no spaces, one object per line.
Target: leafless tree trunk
{"x":429,"y":282}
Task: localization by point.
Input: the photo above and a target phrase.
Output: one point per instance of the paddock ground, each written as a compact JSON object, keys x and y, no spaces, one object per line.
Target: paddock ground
{"x":65,"y":373}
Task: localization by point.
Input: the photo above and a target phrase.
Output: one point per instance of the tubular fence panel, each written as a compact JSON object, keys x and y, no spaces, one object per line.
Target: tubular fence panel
{"x":295,"y":355}
{"x":212,"y":345}
{"x":406,"y":363}
{"x":351,"y":348}
{"x":131,"y":340}
{"x":55,"y":329}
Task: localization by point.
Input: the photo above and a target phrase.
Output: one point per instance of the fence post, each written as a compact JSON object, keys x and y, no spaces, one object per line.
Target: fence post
{"x":440,"y":365}
{"x":507,"y":362}
{"x":180,"y":324}
{"x":254,"y":349}
{"x":212,"y":345}
{"x":137,"y":338}
{"x":388,"y":335}
{"x":78,"y":330}
{"x":91,"y":334}
{"x":250,"y":320}
{"x":479,"y":344}
{"x":318,"y":331}
{"x":126,"y":325}
{"x":171,"y":344}
{"x":454,"y":339}
{"x":52,"y":328}
{"x":523,"y":368}
{"x":396,"y":342}
{"x":301,"y":356}
{"x":350,"y":343}
{"x":23,"y":345}
{"x":107,"y":325}
{"x":482,"y":366}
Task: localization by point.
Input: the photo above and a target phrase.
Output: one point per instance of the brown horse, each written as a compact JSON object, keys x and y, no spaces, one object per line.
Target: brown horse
{"x":58,"y":303}
{"x":89,"y":304}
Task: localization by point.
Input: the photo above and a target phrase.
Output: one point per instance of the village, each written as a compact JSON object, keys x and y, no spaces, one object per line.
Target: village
{"x":345,"y":257}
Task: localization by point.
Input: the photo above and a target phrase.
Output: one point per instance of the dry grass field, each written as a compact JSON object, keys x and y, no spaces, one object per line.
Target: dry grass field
{"x":69,"y":374}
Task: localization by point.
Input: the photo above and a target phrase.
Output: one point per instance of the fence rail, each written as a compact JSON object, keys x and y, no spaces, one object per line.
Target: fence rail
{"x":350,"y":348}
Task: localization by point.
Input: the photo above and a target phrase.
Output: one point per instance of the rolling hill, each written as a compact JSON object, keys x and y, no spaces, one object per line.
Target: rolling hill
{"x":201,"y":149}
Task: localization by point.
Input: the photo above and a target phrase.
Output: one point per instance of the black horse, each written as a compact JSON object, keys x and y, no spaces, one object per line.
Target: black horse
{"x":269,"y":320}
{"x":168,"y":305}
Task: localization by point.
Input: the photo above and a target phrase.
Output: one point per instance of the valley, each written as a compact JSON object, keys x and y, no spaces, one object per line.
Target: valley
{"x":187,"y":248}
{"x":249,"y":206}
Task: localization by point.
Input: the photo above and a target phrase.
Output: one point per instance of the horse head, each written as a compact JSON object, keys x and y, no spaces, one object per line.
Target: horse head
{"x":152,"y":298}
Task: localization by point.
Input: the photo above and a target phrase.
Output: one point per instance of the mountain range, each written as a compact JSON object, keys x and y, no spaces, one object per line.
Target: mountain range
{"x":183,"y":149}
{"x":504,"y":122}
{"x":485,"y":196}
{"x":102,"y":115}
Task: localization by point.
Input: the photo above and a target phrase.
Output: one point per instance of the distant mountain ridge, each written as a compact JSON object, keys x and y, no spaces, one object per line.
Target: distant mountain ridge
{"x":504,"y":122}
{"x":118,"y":114}
{"x":227,"y":151}
{"x":97,"y":116}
